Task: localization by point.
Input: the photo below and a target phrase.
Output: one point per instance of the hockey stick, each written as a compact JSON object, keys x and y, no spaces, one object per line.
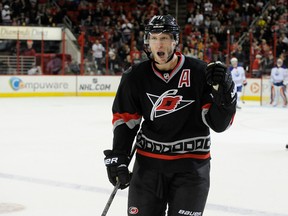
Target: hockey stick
{"x":116,"y":187}
{"x":243,"y":94}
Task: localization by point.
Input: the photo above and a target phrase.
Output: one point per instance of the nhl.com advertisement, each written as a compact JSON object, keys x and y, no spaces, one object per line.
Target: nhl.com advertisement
{"x":21,"y":86}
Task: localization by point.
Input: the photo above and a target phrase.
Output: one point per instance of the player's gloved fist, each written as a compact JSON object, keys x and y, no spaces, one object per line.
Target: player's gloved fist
{"x":216,"y":73}
{"x":117,"y":168}
{"x":220,"y":78}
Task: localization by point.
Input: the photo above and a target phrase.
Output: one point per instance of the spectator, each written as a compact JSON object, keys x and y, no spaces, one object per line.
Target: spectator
{"x":6,"y":15}
{"x":29,"y":50}
{"x":98,"y":51}
{"x":208,"y":8}
{"x":17,"y":8}
{"x":256,"y":67}
{"x":126,"y":29}
{"x":241,"y":56}
{"x":98,"y":15}
{"x":241,"y":14}
{"x":54,"y":66}
{"x":267,"y":63}
{"x":72,"y":67}
{"x":215,"y":48}
{"x":33,"y":11}
{"x":215,"y":25}
{"x":42,"y":17}
{"x":123,"y":51}
{"x":23,"y":20}
{"x":114,"y":65}
{"x":237,"y":20}
{"x":265,"y":48}
{"x":35,"y":70}
{"x":198,"y":19}
{"x":283,"y":43}
{"x":231,"y":28}
{"x":187,"y":51}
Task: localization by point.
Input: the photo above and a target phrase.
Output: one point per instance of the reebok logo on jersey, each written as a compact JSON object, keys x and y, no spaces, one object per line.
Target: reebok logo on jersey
{"x":167,"y":103}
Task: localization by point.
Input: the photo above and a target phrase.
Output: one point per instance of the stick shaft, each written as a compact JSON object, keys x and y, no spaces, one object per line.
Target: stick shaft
{"x":116,"y":187}
{"x":111,"y":198}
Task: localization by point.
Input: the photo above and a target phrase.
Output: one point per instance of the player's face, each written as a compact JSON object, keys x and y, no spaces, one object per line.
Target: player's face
{"x":162,"y":46}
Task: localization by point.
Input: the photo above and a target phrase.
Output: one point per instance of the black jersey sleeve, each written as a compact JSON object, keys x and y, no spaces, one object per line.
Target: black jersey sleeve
{"x":220,"y":118}
{"x":126,"y":114}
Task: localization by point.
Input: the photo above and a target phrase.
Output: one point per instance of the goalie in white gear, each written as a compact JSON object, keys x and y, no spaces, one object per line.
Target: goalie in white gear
{"x":278,"y":78}
{"x":239,"y":78}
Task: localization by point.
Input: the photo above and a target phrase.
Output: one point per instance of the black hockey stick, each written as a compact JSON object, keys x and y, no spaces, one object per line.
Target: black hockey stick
{"x":116,"y":187}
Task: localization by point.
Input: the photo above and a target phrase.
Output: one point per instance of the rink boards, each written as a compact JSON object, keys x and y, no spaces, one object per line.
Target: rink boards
{"x":28,"y":86}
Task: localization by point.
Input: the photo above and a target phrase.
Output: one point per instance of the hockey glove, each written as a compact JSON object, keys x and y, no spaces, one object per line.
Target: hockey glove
{"x":220,"y":78}
{"x":117,"y":168}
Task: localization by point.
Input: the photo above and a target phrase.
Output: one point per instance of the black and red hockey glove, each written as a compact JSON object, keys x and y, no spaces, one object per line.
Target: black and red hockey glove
{"x":117,"y":168}
{"x":220,"y":78}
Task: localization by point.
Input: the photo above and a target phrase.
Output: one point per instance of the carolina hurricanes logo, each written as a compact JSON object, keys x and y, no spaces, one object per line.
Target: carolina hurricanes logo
{"x":133,"y":210}
{"x":167,"y":103}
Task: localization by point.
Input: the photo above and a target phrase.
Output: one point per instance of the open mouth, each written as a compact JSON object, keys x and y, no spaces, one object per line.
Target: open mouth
{"x":161,"y":54}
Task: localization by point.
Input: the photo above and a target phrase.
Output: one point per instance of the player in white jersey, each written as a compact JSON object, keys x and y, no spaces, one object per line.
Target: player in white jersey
{"x":278,"y":77}
{"x":239,"y":78}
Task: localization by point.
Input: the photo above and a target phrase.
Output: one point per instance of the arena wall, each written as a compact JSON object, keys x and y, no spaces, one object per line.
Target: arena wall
{"x":43,"y":86}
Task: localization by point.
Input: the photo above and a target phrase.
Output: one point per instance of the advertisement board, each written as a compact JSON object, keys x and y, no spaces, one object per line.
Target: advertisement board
{"x":23,"y":86}
{"x":30,"y":33}
{"x":97,"y":85}
{"x":18,"y":86}
{"x":257,"y":90}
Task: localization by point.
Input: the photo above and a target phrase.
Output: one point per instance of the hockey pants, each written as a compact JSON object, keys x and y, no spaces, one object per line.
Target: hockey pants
{"x":276,"y":92}
{"x":152,"y":193}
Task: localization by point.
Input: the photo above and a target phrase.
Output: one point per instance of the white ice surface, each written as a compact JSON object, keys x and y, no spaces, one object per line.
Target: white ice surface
{"x":51,"y":160}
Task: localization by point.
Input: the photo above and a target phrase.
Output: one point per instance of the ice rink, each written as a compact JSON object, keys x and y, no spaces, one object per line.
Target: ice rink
{"x":51,"y":160}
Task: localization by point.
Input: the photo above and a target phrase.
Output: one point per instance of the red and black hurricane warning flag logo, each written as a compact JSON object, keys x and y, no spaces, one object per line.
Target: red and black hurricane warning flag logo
{"x":167,"y":103}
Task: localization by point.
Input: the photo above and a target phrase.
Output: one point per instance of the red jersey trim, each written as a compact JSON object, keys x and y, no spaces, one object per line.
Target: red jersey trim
{"x":206,"y":106}
{"x":125,"y":117}
{"x":173,"y":157}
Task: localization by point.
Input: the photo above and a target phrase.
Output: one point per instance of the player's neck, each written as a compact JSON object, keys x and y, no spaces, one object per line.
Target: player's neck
{"x":169,"y":65}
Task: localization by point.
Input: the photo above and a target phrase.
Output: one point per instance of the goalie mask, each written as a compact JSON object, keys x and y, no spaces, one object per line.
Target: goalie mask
{"x":161,"y":24}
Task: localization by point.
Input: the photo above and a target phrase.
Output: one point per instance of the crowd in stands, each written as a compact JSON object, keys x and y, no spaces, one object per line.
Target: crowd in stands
{"x":213,"y":30}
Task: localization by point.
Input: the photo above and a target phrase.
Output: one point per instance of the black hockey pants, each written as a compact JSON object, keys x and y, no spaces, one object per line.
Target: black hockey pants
{"x":152,"y":193}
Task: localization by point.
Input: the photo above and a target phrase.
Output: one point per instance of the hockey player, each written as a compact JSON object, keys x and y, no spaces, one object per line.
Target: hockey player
{"x":239,"y":78}
{"x":278,"y":77}
{"x":177,"y":99}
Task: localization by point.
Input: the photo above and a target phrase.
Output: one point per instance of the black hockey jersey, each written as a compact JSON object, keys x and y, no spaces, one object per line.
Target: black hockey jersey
{"x":174,"y":112}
